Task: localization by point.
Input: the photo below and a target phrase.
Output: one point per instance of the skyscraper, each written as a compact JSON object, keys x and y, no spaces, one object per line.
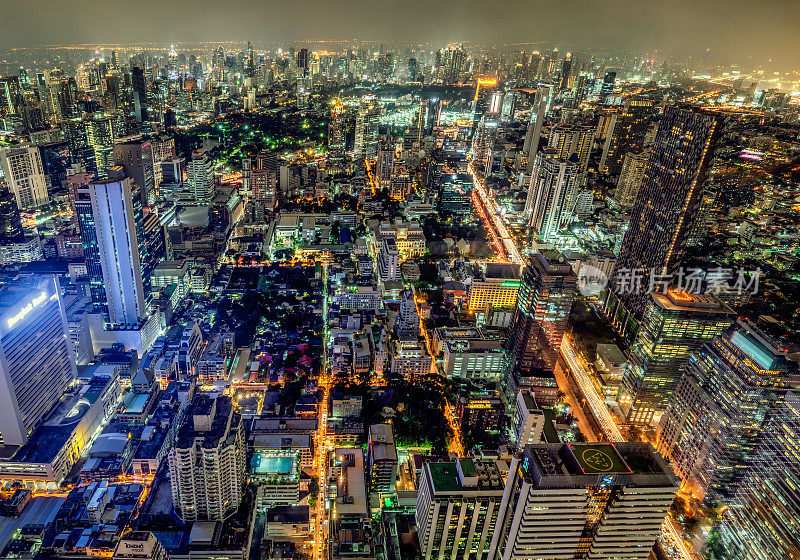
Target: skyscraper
{"x":717,"y":412}
{"x":662,"y":215}
{"x":626,"y":131}
{"x":631,"y":177}
{"x":540,"y":320}
{"x":569,"y":139}
{"x":10,"y":220}
{"x":200,"y":178}
{"x":382,"y":459}
{"x":337,"y":129}
{"x":135,"y":155}
{"x":583,"y":500}
{"x":674,"y":325}
{"x":539,"y":110}
{"x":111,"y":226}
{"x":22,"y":167}
{"x":207,"y":461}
{"x":36,"y":356}
{"x":551,"y":194}
{"x":763,"y":520}
{"x":366,"y":139}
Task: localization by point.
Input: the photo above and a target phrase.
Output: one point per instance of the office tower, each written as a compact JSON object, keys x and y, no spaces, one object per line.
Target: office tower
{"x":385,"y":163}
{"x":663,"y":212}
{"x":540,"y":319}
{"x":136,"y":158}
{"x":498,"y":287}
{"x":539,"y":110}
{"x":10,"y":220}
{"x":583,"y":500}
{"x":112,"y":236}
{"x":715,"y":416}
{"x":626,"y":132}
{"x":207,"y":461}
{"x":337,"y":131}
{"x":366,"y":138}
{"x":674,"y":326}
{"x":265,"y":187}
{"x":631,"y":177}
{"x":36,"y":356}
{"x":416,"y":132}
{"x":457,"y":506}
{"x":139,"y":86}
{"x":9,"y":95}
{"x":200,"y":178}
{"x":412,"y":69}
{"x":566,"y":71}
{"x":484,"y":100}
{"x":529,"y":420}
{"x":568,"y":139}
{"x":99,"y":131}
{"x":762,"y":521}
{"x":551,"y":194}
{"x":450,"y":63}
{"x":22,"y":168}
{"x":607,"y":85}
{"x":389,"y":260}
{"x":433,"y":116}
{"x":303,"y":61}
{"x":483,"y":140}
{"x":350,"y":521}
{"x":381,"y":459}
{"x":139,"y":545}
{"x":407,"y":322}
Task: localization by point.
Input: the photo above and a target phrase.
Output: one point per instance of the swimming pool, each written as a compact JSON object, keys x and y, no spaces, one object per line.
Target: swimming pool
{"x":262,"y":464}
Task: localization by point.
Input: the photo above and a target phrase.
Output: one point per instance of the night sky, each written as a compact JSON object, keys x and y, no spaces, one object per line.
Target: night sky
{"x":731,"y":29}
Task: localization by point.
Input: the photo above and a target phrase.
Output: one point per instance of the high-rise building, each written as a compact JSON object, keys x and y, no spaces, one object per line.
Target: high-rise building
{"x":566,"y":71}
{"x":366,"y":138}
{"x":529,"y":420}
{"x":762,"y":521}
{"x":337,"y":129}
{"x":22,"y":167}
{"x":716,"y":415}
{"x":37,"y":362}
{"x":607,"y":85}
{"x":631,"y":177}
{"x":10,"y":219}
{"x":407,"y":322}
{"x":487,"y":131}
{"x":675,"y":325}
{"x":458,"y":503}
{"x":381,"y":459}
{"x":498,"y":287}
{"x":484,"y":100}
{"x":626,"y":131}
{"x":568,"y":140}
{"x":539,"y":110}
{"x":111,"y":224}
{"x":583,"y":500}
{"x":135,"y":155}
{"x":540,"y":320}
{"x":551,"y":194}
{"x":207,"y":461}
{"x":662,"y":216}
{"x":389,"y":260}
{"x":200,"y":178}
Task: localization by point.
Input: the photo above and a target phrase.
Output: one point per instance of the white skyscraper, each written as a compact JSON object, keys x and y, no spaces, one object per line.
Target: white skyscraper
{"x":570,"y":139}
{"x":551,"y":194}
{"x":118,"y":250}
{"x":200,"y":176}
{"x":366,"y":139}
{"x":539,"y":110}
{"x":389,"y":260}
{"x":36,"y":357}
{"x":22,"y":168}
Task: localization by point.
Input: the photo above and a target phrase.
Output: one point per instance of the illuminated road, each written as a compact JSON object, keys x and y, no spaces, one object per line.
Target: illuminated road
{"x":320,"y":460}
{"x":489,"y":212}
{"x":595,"y":400}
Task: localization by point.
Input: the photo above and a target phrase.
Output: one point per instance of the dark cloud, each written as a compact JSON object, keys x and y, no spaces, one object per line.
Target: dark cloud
{"x":762,"y":30}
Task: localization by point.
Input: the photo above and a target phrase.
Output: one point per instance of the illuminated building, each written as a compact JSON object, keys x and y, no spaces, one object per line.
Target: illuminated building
{"x":472,"y":358}
{"x":350,"y":534}
{"x":607,"y":85}
{"x":674,"y":325}
{"x":408,"y":237}
{"x":566,"y":71}
{"x":761,"y":523}
{"x":411,"y":359}
{"x":136,"y":158}
{"x":716,"y":414}
{"x":540,"y":321}
{"x":626,"y":131}
{"x":407,"y":321}
{"x":661,"y":218}
{"x":337,"y":129}
{"x":533,"y":134}
{"x":24,"y":174}
{"x":630,"y":178}
{"x":455,"y":192}
{"x":499,"y":288}
{"x":568,"y":140}
{"x":10,"y":220}
{"x":480,"y":411}
{"x":381,"y":459}
{"x":389,"y":260}
{"x":457,"y":505}
{"x":200,"y":178}
{"x":485,"y":100}
{"x":551,"y":194}
{"x":207,"y":462}
{"x":583,"y":500}
{"x":139,"y":545}
{"x":529,"y":420}
{"x":36,"y":356}
{"x":450,"y":64}
{"x":366,"y":136}
{"x":483,"y":140}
